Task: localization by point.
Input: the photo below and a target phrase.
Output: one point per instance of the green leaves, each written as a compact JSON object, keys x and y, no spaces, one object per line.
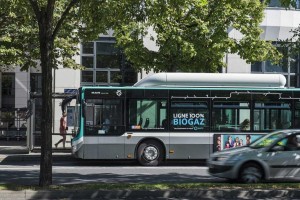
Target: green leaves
{"x":19,"y":33}
{"x":191,"y":35}
{"x":184,"y":35}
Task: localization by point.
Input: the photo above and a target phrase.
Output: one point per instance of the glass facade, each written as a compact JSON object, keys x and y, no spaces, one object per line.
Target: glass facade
{"x":277,"y":4}
{"x":105,"y":64}
{"x":289,"y":70}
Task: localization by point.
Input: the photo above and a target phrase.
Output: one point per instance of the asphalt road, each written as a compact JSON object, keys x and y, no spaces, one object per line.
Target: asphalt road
{"x":26,"y":172}
{"x":73,"y":172}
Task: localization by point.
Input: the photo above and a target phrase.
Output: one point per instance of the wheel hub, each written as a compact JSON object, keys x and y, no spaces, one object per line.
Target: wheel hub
{"x":151,"y":153}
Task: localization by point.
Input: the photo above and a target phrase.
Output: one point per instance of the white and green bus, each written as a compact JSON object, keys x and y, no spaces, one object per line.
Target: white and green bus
{"x":181,"y":116}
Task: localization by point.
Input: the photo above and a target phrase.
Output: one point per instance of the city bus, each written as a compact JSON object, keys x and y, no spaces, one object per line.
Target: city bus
{"x":181,"y":116}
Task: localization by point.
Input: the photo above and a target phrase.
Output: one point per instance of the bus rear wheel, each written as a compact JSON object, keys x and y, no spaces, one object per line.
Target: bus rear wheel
{"x":150,"y":153}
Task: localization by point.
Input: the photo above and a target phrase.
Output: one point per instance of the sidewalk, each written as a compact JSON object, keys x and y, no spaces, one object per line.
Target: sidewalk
{"x":21,"y":153}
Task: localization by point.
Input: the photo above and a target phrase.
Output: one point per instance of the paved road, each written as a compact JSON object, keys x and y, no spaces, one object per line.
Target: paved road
{"x":25,"y":170}
{"x":72,"y":172}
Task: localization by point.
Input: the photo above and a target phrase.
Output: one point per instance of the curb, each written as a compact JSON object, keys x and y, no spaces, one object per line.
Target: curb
{"x":152,"y":194}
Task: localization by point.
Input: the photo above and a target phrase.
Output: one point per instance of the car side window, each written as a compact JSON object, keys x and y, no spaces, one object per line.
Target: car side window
{"x":280,"y":146}
{"x":290,"y":143}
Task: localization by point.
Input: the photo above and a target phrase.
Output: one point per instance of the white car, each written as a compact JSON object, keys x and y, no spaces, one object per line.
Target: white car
{"x":273,"y":156}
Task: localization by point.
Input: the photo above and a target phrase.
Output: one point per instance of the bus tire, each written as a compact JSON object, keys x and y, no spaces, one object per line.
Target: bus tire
{"x":150,"y":153}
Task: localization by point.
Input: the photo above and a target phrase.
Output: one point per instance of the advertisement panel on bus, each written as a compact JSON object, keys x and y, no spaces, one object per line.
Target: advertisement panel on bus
{"x":226,"y":140}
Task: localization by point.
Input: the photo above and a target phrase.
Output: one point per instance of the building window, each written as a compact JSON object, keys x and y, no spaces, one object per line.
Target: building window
{"x":8,"y":90}
{"x":8,"y":84}
{"x":87,"y":76}
{"x":105,"y":64}
{"x":87,"y":62}
{"x":274,"y":3}
{"x":35,"y":82}
{"x":277,"y":4}
{"x":88,"y":48}
{"x":297,"y":4}
{"x":101,"y":77}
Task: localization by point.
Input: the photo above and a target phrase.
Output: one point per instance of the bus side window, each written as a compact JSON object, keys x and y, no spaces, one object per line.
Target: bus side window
{"x":145,"y":114}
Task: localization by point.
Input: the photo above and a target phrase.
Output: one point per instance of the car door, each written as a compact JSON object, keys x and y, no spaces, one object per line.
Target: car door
{"x":284,"y":162}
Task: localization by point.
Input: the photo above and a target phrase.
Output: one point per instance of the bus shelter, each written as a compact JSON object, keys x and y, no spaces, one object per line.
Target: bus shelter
{"x":60,"y":103}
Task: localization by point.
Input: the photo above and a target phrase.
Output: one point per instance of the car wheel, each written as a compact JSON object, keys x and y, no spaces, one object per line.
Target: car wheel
{"x":150,"y":153}
{"x":251,"y":173}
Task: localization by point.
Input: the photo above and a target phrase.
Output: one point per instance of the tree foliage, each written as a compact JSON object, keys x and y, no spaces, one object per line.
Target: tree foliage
{"x":45,"y":33}
{"x":13,"y":30}
{"x":19,"y":33}
{"x":191,"y":35}
{"x":290,"y":46}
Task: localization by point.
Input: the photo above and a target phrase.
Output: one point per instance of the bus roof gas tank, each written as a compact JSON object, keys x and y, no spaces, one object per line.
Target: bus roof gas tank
{"x":212,"y":80}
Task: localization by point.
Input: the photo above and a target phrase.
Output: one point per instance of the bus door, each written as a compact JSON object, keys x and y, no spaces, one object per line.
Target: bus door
{"x":103,"y":130}
{"x":147,"y":120}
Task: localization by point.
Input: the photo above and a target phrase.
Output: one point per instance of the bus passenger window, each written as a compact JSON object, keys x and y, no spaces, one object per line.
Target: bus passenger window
{"x":272,"y":116}
{"x":231,"y":116}
{"x":144,"y":115}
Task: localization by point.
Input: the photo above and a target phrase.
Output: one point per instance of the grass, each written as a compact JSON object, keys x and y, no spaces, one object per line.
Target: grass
{"x":179,"y":186}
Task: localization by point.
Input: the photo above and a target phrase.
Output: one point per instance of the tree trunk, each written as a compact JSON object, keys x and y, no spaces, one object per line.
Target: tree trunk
{"x":46,"y":49}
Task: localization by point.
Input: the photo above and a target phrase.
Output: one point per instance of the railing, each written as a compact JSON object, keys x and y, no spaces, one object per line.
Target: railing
{"x":13,"y":134}
{"x":13,"y":123}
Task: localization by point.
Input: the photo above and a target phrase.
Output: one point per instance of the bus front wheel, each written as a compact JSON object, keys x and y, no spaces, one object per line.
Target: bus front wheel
{"x":150,"y":153}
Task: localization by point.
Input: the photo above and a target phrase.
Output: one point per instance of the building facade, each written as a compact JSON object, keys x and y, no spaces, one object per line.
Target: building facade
{"x":107,"y":65}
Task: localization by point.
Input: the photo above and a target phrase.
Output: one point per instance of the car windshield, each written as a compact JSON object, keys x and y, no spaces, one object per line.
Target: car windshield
{"x":267,"y":140}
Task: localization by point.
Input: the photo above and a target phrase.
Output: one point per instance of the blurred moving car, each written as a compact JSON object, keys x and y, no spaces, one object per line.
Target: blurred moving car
{"x":273,"y":156}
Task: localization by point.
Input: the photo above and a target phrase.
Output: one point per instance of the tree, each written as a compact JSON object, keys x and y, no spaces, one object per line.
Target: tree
{"x":191,"y":35}
{"x":290,"y":46}
{"x":45,"y":33}
{"x":9,"y":52}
